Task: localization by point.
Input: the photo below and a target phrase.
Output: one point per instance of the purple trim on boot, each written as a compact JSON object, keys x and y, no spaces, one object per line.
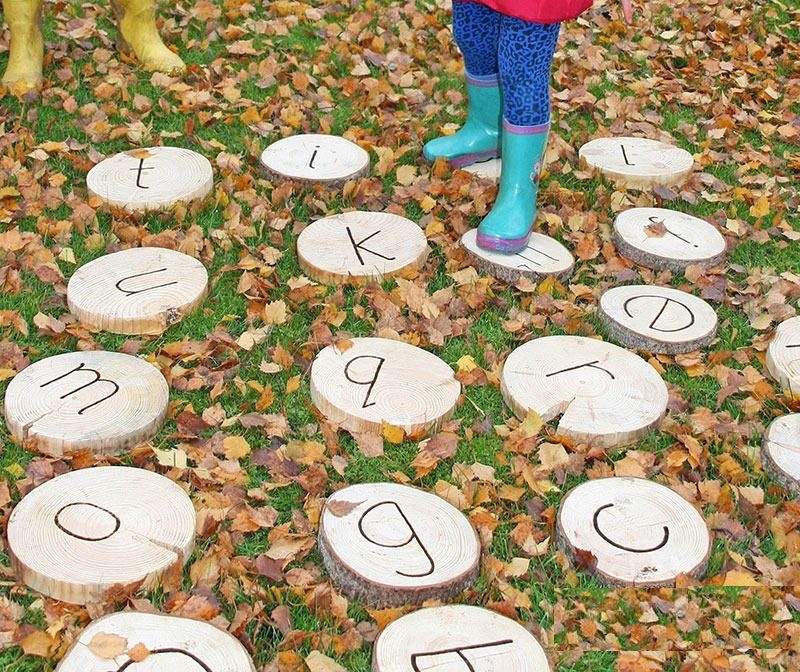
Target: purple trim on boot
{"x":483,"y":81}
{"x":469,"y":159}
{"x":525,"y":130}
{"x":503,"y":245}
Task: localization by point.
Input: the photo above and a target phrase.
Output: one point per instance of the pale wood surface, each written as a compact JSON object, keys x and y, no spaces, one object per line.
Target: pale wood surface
{"x":657,"y":319}
{"x":488,"y":170}
{"x":356,"y":247}
{"x":75,"y":536}
{"x":542,"y":257}
{"x":783,"y":357}
{"x":641,"y":533}
{"x":605,"y":395}
{"x":667,"y":239}
{"x":377,"y":381}
{"x":138,"y":291}
{"x":780,"y":452}
{"x":315,"y":159}
{"x":106,"y":402}
{"x":637,"y":162}
{"x":441,"y":639}
{"x":175,"y":645}
{"x":388,"y":545}
{"x":154,"y":178}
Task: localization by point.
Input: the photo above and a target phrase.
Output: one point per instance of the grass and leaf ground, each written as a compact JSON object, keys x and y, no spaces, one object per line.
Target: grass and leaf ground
{"x":720,"y":79}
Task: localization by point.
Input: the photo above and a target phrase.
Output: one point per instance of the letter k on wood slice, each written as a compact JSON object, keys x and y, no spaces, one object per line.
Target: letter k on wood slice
{"x":390,"y":545}
{"x":457,"y":638}
{"x":173,"y":644}
{"x":106,"y":402}
{"x":377,"y":380}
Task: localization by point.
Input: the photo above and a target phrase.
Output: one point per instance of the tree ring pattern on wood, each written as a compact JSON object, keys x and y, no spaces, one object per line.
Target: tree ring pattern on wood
{"x":315,"y":159}
{"x":783,"y":357}
{"x":637,"y":162}
{"x":780,"y":452}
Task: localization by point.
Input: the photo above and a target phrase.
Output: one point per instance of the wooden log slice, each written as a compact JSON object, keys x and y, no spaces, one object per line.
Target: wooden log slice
{"x":457,"y":638}
{"x":639,"y":532}
{"x":487,"y":170}
{"x":315,"y":159}
{"x":542,"y":257}
{"x":75,"y":536}
{"x":605,"y":395}
{"x":667,"y":239}
{"x":378,"y":381}
{"x":783,"y":357}
{"x":106,"y":402}
{"x":389,"y":545}
{"x":155,"y":178}
{"x":138,"y":291}
{"x":657,"y":319}
{"x":640,"y":163}
{"x":780,"y":452}
{"x":174,"y":645}
{"x":356,"y":247}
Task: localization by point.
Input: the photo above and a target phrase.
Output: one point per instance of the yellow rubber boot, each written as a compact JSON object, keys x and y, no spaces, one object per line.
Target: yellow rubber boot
{"x":24,"y":18}
{"x":137,"y":27}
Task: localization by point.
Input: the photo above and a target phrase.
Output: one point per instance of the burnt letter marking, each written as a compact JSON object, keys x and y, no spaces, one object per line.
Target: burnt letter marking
{"x":625,"y":156}
{"x":97,"y":379}
{"x":533,"y":261}
{"x":588,"y":365}
{"x":656,"y":220}
{"x":667,"y":301}
{"x":313,"y":157}
{"x":60,"y":526}
{"x":358,"y":247}
{"x":605,"y":538}
{"x":459,"y":651}
{"x":139,"y":170}
{"x":131,"y":292}
{"x":155,"y":652}
{"x":371,"y":382}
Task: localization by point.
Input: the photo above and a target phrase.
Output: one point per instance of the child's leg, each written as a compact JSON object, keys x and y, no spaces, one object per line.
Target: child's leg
{"x":525,"y":57}
{"x":476,"y":29}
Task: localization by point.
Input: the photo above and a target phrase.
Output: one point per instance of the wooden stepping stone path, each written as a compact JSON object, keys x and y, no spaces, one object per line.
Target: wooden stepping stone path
{"x":640,"y":163}
{"x":457,"y":638}
{"x":315,"y":159}
{"x":657,"y":319}
{"x":390,"y":545}
{"x":75,"y":536}
{"x":357,"y":247}
{"x":105,"y":402}
{"x":138,"y":291}
{"x":605,"y":395}
{"x":667,"y":239}
{"x":632,"y":532}
{"x":155,"y":178}
{"x":542,"y":257}
{"x":173,"y":644}
{"x":378,"y":381}
{"x":780,"y":452}
{"x":783,"y":357}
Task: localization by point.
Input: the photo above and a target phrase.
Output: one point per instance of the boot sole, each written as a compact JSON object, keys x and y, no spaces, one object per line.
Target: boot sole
{"x":468,"y":159}
{"x":503,"y":245}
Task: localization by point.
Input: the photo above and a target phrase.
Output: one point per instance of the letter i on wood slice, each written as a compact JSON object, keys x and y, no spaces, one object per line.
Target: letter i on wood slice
{"x":315,"y":159}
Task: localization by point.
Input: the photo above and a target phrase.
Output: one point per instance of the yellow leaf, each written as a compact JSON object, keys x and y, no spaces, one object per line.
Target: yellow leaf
{"x":15,"y":470}
{"x":107,"y":645}
{"x":532,"y":424}
{"x":293,"y":384}
{"x":466,"y":364}
{"x":760,"y":208}
{"x":406,"y":175}
{"x":236,"y":447}
{"x":317,"y":662}
{"x":392,"y":434}
{"x":737,"y":577}
{"x":38,"y":643}
{"x":275,"y":312}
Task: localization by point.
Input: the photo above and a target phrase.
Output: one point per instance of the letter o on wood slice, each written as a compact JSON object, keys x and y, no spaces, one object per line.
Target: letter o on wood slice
{"x":377,"y":381}
{"x":138,"y":291}
{"x":783,"y":357}
{"x":640,"y":533}
{"x":657,"y":319}
{"x":174,"y":644}
{"x":74,"y":537}
{"x":356,"y":247}
{"x":315,"y":159}
{"x":155,"y":178}
{"x":106,"y":402}
{"x":640,"y":163}
{"x":442,"y":639}
{"x":667,"y":239}
{"x":390,"y":545}
{"x":605,"y":395}
{"x":542,"y":257}
{"x":780,"y":452}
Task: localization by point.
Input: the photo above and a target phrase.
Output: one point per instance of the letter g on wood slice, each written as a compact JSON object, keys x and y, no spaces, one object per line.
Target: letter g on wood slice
{"x":389,"y":545}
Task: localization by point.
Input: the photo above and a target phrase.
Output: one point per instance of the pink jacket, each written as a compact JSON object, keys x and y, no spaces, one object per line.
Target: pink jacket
{"x":539,"y":11}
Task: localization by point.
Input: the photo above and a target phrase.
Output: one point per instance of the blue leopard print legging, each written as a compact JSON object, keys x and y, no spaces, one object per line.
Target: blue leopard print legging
{"x":518,"y":53}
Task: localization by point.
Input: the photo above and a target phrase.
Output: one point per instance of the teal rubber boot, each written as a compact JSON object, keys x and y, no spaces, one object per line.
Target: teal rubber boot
{"x":508,"y":226}
{"x":479,"y":138}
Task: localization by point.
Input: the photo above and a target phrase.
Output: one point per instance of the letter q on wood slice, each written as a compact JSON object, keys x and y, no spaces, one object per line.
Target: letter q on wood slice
{"x":106,"y":402}
{"x":657,"y":319}
{"x":356,"y":247}
{"x":390,"y":545}
{"x":315,"y":159}
{"x":783,"y":357}
{"x":174,"y":645}
{"x":457,"y":638}
{"x":75,"y":536}
{"x":639,"y":532}
{"x":377,"y":381}
{"x":640,"y":163}
{"x":605,"y":395}
{"x":138,"y":291}
{"x":155,"y":178}
{"x":667,"y":239}
{"x":780,"y":452}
